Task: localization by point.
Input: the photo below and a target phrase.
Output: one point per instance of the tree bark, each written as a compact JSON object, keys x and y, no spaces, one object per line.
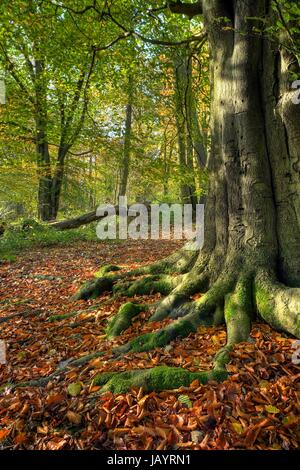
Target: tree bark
{"x":42,"y":147}
{"x":183,"y":90}
{"x":124,"y":167}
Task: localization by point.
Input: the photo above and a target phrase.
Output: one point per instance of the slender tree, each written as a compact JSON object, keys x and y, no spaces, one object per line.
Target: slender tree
{"x":125,"y":159}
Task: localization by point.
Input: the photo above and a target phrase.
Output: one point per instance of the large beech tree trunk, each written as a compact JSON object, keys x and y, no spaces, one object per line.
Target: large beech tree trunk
{"x":250,"y":263}
{"x":255,"y":191}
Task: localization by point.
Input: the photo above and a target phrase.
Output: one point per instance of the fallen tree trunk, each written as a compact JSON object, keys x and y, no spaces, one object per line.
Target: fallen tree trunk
{"x":76,"y":221}
{"x":83,"y":219}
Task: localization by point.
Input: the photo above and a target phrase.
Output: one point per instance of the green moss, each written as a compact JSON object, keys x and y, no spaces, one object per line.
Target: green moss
{"x":150,"y":341}
{"x":93,"y":289}
{"x":219,"y":374}
{"x":62,"y":316}
{"x":146,"y":286}
{"x":123,"y":319}
{"x":106,"y":269}
{"x":156,"y":379}
{"x":157,"y":339}
{"x":264,"y":303}
{"x":183,"y":328}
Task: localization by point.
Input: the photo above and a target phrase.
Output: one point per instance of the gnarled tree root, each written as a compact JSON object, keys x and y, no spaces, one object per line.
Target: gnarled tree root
{"x":194,"y":314}
{"x":276,"y":303}
{"x":123,"y":319}
{"x":237,"y":295}
{"x":178,"y":263}
{"x":230,"y":298}
{"x":157,"y":378}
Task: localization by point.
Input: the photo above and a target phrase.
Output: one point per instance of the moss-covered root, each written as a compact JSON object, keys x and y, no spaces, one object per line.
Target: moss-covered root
{"x":181,"y":261}
{"x":190,"y":284}
{"x":156,"y":379}
{"x":277,"y":304}
{"x":93,"y":289}
{"x":238,"y":314}
{"x":109,"y":268}
{"x":199,"y":313}
{"x":123,"y":319}
{"x":238,"y":311}
{"x":162,"y":284}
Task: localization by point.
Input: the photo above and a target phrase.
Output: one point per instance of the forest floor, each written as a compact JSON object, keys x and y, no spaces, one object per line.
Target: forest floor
{"x":256,"y":408}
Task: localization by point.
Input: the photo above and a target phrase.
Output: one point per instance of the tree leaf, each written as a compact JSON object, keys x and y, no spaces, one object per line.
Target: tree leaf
{"x":74,"y":389}
{"x":272,"y":409}
{"x":185,"y":400}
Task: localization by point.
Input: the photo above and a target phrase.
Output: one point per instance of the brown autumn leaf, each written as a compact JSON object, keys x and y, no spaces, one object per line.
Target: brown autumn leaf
{"x":53,"y":400}
{"x":74,"y":418}
{"x":56,"y":443}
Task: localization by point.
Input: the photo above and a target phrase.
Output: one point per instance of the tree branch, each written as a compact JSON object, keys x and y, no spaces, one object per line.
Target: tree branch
{"x":189,"y":9}
{"x":159,"y":42}
{"x":12,"y":70}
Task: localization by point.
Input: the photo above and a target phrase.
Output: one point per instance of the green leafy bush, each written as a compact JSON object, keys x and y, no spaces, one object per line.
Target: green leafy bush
{"x":19,"y":238}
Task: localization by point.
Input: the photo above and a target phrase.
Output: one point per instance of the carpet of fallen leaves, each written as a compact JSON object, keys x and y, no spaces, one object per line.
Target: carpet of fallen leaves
{"x":256,"y":408}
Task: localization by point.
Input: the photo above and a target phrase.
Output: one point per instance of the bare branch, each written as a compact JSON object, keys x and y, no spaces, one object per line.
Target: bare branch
{"x":119,"y":38}
{"x":160,"y":42}
{"x":189,"y":9}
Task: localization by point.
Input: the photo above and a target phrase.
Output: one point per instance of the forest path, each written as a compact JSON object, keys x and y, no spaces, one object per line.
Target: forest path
{"x":257,"y":408}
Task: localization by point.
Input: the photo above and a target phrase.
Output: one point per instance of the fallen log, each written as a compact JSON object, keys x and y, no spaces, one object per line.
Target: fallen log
{"x":83,"y":219}
{"x":76,"y":221}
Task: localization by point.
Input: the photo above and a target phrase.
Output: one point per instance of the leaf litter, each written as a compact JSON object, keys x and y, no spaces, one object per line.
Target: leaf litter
{"x":256,"y":408}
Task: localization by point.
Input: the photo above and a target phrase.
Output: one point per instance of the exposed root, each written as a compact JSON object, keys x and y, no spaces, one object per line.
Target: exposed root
{"x":277,"y":304}
{"x":196,"y":314}
{"x":93,"y":289}
{"x":157,"y":378}
{"x":189,"y":285}
{"x":162,"y":284}
{"x":123,"y":319}
{"x":64,"y":316}
{"x":63,"y":369}
{"x":238,"y":314}
{"x":179,"y":262}
{"x":109,"y":268}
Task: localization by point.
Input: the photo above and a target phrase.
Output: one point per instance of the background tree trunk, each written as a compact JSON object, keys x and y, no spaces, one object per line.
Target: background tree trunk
{"x":183,"y":90}
{"x":124,"y":167}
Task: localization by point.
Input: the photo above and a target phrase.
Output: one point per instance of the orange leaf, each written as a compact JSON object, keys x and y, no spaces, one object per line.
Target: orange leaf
{"x":56,"y":443}
{"x":4,"y":433}
{"x":20,"y":438}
